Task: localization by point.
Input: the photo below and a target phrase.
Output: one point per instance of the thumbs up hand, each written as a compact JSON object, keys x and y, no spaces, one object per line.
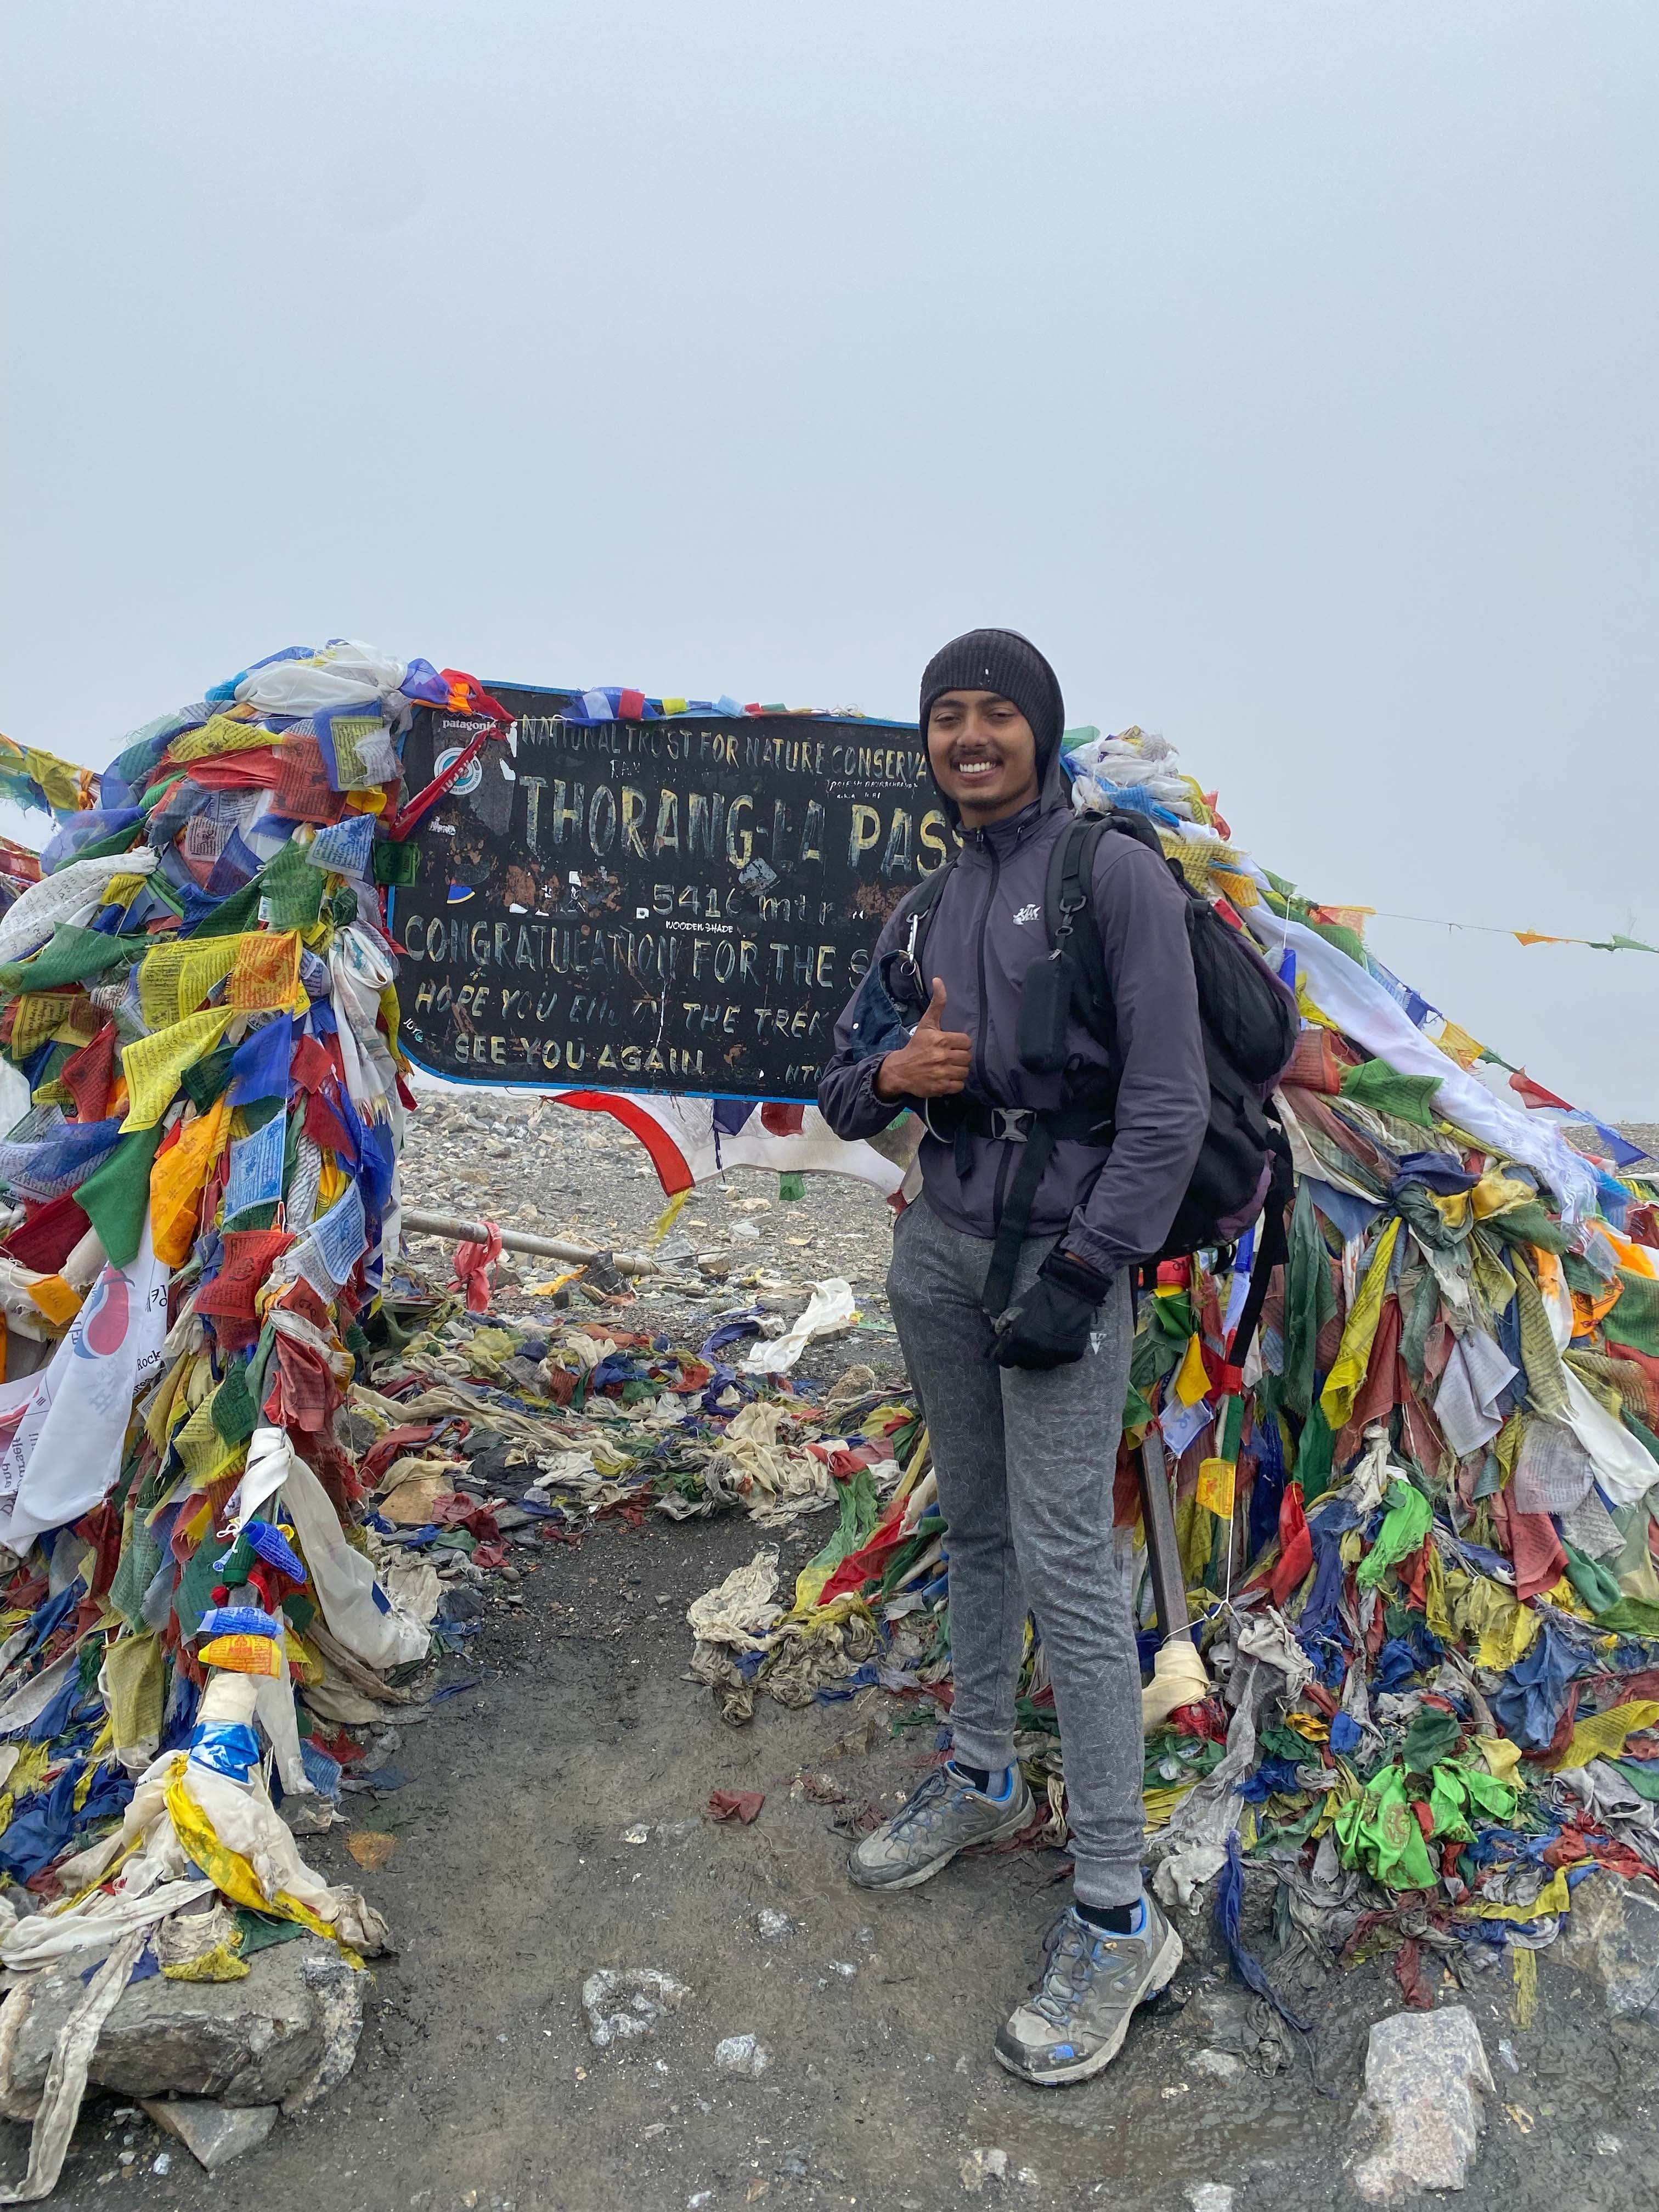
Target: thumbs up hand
{"x":935,"y":1064}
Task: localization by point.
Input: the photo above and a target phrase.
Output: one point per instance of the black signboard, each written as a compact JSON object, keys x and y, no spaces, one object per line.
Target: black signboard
{"x":681,"y":903}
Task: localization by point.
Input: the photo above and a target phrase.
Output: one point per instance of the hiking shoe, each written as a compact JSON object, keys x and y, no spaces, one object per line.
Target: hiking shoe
{"x":1073,"y":2023}
{"x":946,"y":1815}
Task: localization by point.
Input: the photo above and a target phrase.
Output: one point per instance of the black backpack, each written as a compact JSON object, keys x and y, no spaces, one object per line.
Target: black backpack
{"x":1250,"y":1023}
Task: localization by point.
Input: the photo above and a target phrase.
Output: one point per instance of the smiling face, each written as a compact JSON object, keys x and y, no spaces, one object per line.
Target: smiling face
{"x":983,"y":755}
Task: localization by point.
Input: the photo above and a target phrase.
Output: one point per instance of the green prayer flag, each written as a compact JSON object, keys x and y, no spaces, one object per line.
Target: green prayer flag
{"x":1404,"y":1527}
{"x":1431,"y":1737}
{"x":209,"y":1078}
{"x":119,"y":840}
{"x":69,"y":957}
{"x":1634,"y":1321}
{"x":115,"y":1197}
{"x":1385,"y":1090}
{"x":234,"y":1414}
{"x":291,"y":889}
{"x":241,"y":911}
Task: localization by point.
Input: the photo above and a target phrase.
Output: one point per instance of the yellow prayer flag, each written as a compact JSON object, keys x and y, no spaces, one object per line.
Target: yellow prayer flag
{"x":1192,"y":1380}
{"x":1342,"y":1385}
{"x":219,"y":733}
{"x":267,"y":977}
{"x":153,"y":1064}
{"x":1215,"y":1487}
{"x":1556,"y":1896}
{"x":1460,"y":1045}
{"x":39,"y":1013}
{"x":175,"y":976}
{"x":1602,"y":1735}
{"x":1502,"y":1757}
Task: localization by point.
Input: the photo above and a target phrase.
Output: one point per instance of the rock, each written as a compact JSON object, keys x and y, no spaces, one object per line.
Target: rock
{"x":649,"y":1992}
{"x":250,"y":2042}
{"x":460,"y":1603}
{"x":1612,"y":1938}
{"x":771,"y":1924}
{"x":1209,"y":2195}
{"x":742,"y":2054}
{"x":979,"y":2166}
{"x":212,"y":2133}
{"x":1418,"y":2125}
{"x":339,"y":1994}
{"x":1221,"y":2015}
{"x":1223,"y":2064}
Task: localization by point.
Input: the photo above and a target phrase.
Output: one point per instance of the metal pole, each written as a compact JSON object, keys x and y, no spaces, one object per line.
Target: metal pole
{"x":1163,"y":1552}
{"x":455,"y":1230}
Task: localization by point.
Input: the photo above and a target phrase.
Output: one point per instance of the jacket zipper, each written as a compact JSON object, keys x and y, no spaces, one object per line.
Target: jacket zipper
{"x":1007,"y":1149}
{"x":984,"y":922}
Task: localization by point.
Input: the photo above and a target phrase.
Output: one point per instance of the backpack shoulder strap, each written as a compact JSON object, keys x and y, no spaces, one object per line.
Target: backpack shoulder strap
{"x":1069,"y":914}
{"x":918,"y":907}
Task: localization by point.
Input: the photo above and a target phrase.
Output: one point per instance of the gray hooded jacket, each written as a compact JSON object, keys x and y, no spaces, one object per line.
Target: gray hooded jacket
{"x":1115,"y":1207}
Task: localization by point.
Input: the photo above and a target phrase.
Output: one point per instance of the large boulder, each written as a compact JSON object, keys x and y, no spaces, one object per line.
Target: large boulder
{"x":1418,"y":2125}
{"x":256,"y":2041}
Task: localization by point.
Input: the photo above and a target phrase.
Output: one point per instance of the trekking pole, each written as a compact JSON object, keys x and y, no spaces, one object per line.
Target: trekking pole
{"x":1178,"y":1673}
{"x":454,"y":1229}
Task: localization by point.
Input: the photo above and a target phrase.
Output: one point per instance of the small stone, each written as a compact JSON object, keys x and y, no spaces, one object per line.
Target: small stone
{"x":772,"y":1925}
{"x":1209,"y":2195}
{"x":1506,"y":2052}
{"x":1606,"y":2146}
{"x":639,"y":1833}
{"x":979,"y":2166}
{"x":212,"y":2133}
{"x":741,"y":2054}
{"x":1222,"y":2016}
{"x":844,"y":1968}
{"x":1419,"y":2123}
{"x":647,"y":1993}
{"x":163,"y":2163}
{"x":1222,"y":2063}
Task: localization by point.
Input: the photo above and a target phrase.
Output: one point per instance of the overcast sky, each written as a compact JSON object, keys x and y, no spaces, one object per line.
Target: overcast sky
{"x":1287,"y":372}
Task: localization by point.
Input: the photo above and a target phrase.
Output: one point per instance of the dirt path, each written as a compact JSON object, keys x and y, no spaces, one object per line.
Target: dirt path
{"x":477,"y":2087}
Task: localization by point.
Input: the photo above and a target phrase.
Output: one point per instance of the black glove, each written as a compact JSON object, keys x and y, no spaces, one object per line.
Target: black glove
{"x":1049,"y":1326}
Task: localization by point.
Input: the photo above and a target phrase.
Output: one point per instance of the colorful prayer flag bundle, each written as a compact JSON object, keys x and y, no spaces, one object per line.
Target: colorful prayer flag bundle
{"x":198,"y":1027}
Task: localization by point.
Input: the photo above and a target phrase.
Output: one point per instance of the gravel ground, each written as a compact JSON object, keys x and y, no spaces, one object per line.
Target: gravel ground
{"x":560,"y":1172}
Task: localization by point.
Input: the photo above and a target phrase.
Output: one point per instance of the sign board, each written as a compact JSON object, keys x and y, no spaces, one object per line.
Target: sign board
{"x":677,"y":904}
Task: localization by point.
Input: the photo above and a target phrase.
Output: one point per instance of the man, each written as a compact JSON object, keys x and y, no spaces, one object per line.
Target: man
{"x":1024,"y":1401}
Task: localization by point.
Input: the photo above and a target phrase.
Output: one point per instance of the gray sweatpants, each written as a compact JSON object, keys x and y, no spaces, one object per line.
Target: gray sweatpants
{"x":1025,"y":1464}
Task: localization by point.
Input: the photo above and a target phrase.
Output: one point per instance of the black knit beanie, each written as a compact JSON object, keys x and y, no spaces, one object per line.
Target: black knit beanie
{"x":1002,"y":661}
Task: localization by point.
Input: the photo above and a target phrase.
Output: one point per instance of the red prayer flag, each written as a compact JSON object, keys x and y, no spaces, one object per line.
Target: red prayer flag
{"x":1534,"y":1094}
{"x":1295,"y":1545}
